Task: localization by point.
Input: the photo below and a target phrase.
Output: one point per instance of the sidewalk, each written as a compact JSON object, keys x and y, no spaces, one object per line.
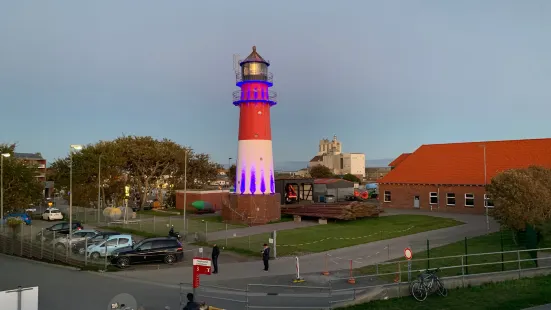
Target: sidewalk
{"x":362,"y":255}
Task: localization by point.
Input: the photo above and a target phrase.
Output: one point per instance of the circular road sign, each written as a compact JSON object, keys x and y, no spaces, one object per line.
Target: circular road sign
{"x":408,"y":253}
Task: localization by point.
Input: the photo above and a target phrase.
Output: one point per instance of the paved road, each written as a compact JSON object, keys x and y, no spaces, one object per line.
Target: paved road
{"x":62,"y":288}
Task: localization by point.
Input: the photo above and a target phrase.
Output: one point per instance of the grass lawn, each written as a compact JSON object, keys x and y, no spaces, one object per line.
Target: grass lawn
{"x":509,"y":295}
{"x":495,"y":242}
{"x":340,"y":234}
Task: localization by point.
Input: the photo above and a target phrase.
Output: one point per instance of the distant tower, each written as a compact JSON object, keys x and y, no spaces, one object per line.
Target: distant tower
{"x":255,"y":166}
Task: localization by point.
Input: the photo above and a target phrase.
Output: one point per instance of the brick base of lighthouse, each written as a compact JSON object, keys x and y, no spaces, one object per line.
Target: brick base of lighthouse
{"x":252,"y":209}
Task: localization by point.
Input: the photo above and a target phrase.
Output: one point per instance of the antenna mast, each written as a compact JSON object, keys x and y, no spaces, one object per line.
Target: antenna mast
{"x":236,"y":63}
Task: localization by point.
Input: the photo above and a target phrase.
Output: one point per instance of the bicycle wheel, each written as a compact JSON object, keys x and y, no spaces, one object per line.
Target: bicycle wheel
{"x":440,"y":288}
{"x":418,"y":291}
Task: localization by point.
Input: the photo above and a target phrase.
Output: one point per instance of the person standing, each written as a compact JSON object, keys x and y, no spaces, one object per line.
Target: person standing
{"x":215,"y":254}
{"x":266,"y":257}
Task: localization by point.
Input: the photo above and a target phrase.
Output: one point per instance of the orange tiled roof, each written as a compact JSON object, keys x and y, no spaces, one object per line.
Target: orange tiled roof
{"x":463,"y":163}
{"x":399,"y":159}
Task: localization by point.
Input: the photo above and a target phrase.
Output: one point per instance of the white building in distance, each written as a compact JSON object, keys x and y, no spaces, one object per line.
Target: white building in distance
{"x":330,"y":155}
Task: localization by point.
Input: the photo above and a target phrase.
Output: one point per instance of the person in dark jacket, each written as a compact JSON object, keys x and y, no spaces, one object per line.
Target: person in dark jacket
{"x":191,"y":305}
{"x":215,"y":254}
{"x":266,"y":257}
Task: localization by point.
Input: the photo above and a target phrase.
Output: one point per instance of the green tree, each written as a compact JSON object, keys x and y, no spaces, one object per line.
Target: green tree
{"x":21,"y":187}
{"x":321,"y":172}
{"x":351,"y":178}
{"x":522,"y":197}
{"x":231,"y":174}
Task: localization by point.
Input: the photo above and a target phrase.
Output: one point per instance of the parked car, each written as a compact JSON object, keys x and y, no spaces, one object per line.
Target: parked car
{"x":97,"y":250}
{"x":80,"y":247}
{"x":22,"y":216}
{"x":78,"y":236}
{"x":52,"y":214}
{"x":59,"y":228}
{"x":163,"y":249}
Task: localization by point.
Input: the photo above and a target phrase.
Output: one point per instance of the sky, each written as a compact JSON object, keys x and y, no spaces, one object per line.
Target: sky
{"x":384,"y":76}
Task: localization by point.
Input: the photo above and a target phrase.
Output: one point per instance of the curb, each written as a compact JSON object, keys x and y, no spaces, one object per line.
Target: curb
{"x":40,"y":262}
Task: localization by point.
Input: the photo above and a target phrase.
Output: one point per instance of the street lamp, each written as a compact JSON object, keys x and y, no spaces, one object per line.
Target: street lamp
{"x":185,"y":190}
{"x":76,"y":147}
{"x":229,"y":167}
{"x":99,"y":187}
{"x":485,"y":183}
{"x":2,"y":187}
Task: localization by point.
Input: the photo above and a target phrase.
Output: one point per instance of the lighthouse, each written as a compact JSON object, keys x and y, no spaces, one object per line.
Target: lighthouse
{"x":255,"y":201}
{"x":255,"y":165}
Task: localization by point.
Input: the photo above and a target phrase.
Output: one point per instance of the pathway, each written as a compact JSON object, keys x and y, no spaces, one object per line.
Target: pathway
{"x":362,"y":255}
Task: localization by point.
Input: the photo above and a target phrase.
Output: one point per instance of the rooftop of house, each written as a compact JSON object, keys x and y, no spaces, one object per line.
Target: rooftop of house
{"x":467,"y":163}
{"x":399,"y":159}
{"x":34,"y":156}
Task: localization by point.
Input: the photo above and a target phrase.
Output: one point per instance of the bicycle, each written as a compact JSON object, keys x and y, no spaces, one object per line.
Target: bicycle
{"x":427,"y":283}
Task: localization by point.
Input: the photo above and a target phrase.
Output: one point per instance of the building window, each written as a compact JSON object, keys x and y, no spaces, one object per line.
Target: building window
{"x":387,"y":196}
{"x":469,"y":200}
{"x":450,"y":199}
{"x":433,"y":198}
{"x":489,"y":201}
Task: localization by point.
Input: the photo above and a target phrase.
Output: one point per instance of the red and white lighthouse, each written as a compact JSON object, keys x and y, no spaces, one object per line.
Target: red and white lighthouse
{"x":255,"y":165}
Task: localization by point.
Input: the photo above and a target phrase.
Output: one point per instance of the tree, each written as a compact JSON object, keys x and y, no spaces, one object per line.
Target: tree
{"x":21,"y":187}
{"x":321,"y":172}
{"x":143,"y":163}
{"x":232,"y":174}
{"x":86,"y":164}
{"x":522,"y":197}
{"x":351,"y":178}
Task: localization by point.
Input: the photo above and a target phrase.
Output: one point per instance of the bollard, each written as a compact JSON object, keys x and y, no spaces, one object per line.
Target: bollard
{"x":106,"y":255}
{"x":326,"y":271}
{"x":297,"y":279}
{"x":351,"y":279}
{"x":206,"y":230}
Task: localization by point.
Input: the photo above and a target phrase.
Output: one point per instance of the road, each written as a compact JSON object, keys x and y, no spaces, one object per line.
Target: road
{"x":62,"y":288}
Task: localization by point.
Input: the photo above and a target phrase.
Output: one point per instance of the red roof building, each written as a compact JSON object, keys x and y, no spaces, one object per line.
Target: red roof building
{"x":451,"y":177}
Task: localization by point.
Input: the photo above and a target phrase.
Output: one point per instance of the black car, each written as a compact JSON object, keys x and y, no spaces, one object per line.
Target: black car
{"x":79,"y":247}
{"x":59,"y":229}
{"x":163,"y":249}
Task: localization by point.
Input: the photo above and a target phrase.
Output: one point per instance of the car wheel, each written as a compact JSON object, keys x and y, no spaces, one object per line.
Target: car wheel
{"x":170,"y":259}
{"x":123,"y":262}
{"x":81,"y":251}
{"x":60,"y":247}
{"x":95,"y":255}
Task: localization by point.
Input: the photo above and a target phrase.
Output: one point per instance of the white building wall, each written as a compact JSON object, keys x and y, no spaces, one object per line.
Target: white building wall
{"x":357,"y":164}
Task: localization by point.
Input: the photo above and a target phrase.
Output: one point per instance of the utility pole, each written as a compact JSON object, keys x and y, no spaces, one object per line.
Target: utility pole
{"x":185,"y":190}
{"x":99,"y":187}
{"x":485,"y":196}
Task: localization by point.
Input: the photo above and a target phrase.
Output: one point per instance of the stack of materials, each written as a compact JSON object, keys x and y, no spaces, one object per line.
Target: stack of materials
{"x":340,"y":211}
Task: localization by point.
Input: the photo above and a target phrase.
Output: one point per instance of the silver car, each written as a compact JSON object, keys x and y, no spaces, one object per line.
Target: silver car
{"x":78,"y":236}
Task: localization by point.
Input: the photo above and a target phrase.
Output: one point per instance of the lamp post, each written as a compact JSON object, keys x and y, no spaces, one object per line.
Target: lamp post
{"x":485,"y":183}
{"x":185,"y":190}
{"x":2,"y":187}
{"x":229,"y":167}
{"x":76,"y":147}
{"x":99,"y":187}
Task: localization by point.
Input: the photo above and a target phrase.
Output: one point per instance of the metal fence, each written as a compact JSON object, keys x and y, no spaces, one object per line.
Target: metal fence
{"x":388,"y":280}
{"x":193,"y":228}
{"x":24,"y":241}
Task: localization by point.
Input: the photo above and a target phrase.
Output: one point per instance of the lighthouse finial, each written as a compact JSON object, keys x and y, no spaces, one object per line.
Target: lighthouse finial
{"x":254,"y":48}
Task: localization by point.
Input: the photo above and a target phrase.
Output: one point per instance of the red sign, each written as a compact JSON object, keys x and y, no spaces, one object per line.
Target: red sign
{"x":200,"y":266}
{"x":408,"y":253}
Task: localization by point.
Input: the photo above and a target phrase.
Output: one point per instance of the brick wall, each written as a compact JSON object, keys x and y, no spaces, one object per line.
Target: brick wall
{"x":402,"y":197}
{"x":252,"y":209}
{"x":216,"y":198}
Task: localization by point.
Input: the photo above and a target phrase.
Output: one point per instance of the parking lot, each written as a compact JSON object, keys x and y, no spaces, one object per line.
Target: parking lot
{"x":32,"y":246}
